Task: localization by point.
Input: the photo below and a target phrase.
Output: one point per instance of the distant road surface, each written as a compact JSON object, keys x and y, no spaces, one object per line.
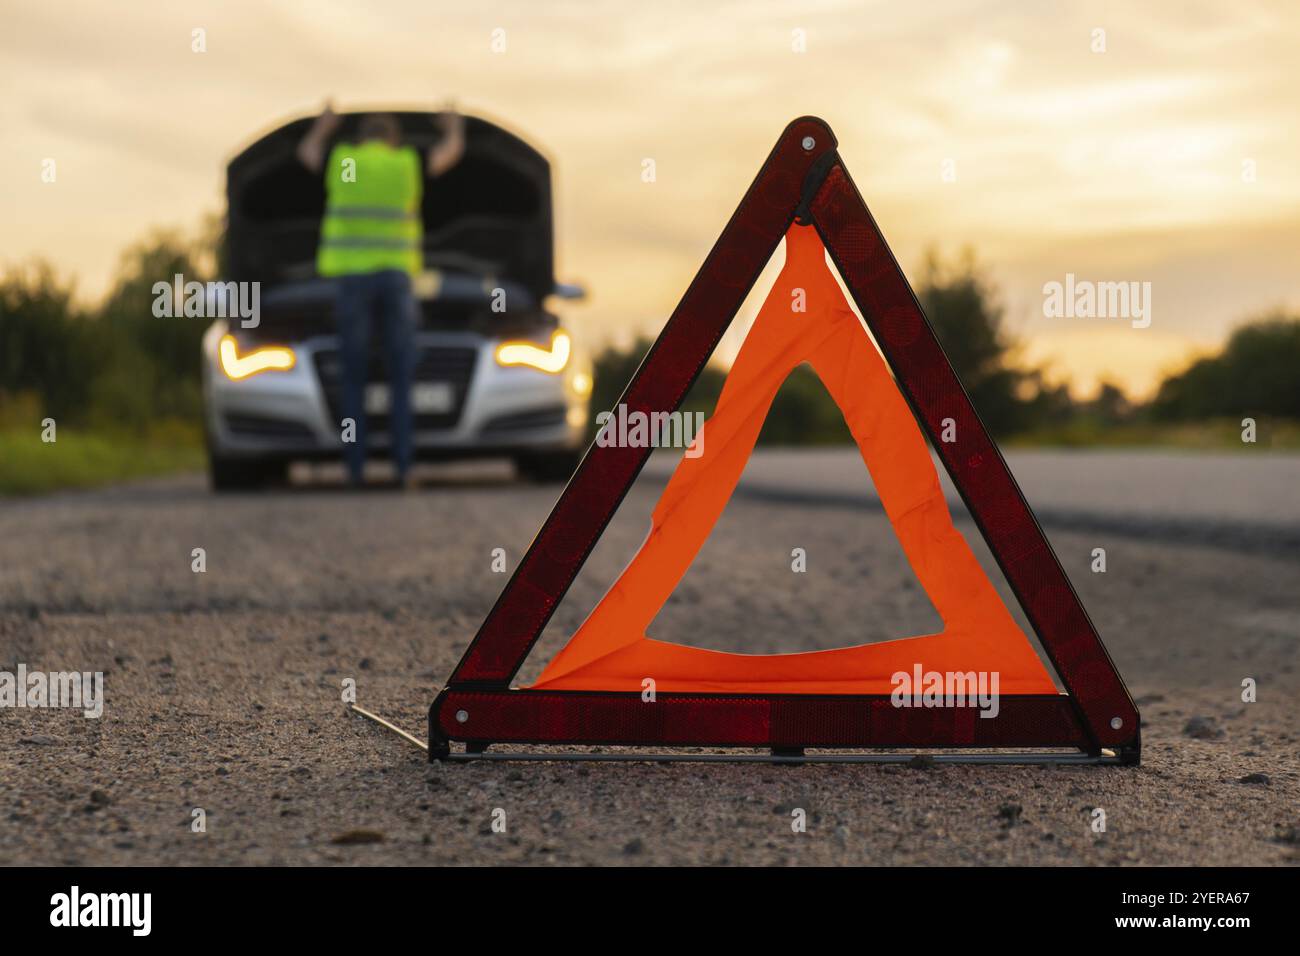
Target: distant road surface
{"x":1169,"y":490}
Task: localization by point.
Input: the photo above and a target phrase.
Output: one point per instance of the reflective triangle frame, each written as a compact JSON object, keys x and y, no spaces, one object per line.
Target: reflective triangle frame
{"x":1094,"y":721}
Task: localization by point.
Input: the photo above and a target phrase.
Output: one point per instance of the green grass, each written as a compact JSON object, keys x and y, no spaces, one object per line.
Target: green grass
{"x":84,"y":459}
{"x":1214,"y":435}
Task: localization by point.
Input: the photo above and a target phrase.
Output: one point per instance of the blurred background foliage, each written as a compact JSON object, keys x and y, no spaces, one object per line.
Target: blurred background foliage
{"x":131,"y":379}
{"x":121,"y":385}
{"x":116,"y":366}
{"x":1257,"y":375}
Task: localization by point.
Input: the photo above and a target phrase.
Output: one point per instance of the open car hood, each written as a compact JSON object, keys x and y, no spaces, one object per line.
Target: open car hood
{"x":490,"y":215}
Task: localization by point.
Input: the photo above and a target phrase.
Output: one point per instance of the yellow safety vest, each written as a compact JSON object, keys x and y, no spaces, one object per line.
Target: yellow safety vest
{"x":372,"y":210}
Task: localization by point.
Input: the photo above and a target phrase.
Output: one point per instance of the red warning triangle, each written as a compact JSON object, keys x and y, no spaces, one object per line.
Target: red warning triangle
{"x":864,"y":697}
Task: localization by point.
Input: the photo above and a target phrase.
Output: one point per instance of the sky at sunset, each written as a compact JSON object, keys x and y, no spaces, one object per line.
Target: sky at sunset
{"x":1169,"y":158}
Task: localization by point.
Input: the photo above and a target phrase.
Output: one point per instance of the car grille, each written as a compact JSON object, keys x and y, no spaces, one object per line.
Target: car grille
{"x":453,"y":365}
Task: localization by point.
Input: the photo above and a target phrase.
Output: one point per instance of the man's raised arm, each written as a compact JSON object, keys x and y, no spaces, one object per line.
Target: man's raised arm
{"x":311,"y":151}
{"x":452,"y":145}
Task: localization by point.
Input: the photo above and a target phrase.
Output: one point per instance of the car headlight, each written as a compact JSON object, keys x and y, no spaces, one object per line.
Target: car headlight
{"x":536,"y":356}
{"x":268,"y":358}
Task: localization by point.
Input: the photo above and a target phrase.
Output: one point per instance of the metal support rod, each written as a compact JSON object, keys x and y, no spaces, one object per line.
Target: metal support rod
{"x":353,"y":708}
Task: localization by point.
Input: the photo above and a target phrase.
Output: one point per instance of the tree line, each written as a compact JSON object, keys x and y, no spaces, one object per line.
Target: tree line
{"x":1256,"y":374}
{"x":114,"y":366}
{"x":118,"y":366}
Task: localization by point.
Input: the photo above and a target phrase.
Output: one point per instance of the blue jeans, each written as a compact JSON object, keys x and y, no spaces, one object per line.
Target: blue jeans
{"x":385,"y":296}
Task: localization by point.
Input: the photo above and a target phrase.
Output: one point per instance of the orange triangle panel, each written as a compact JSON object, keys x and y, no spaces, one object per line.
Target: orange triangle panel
{"x":612,"y":652}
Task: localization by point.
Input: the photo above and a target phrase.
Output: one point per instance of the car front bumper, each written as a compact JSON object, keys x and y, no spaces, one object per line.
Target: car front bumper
{"x":496,"y":410}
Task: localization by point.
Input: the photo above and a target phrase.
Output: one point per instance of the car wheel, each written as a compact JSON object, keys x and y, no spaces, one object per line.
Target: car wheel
{"x":547,"y":467}
{"x":244,"y":474}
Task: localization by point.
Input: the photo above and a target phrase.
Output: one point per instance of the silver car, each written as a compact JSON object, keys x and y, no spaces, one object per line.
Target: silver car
{"x":496,"y":372}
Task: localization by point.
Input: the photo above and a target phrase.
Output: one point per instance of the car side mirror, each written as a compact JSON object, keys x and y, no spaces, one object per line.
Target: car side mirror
{"x":569,"y":290}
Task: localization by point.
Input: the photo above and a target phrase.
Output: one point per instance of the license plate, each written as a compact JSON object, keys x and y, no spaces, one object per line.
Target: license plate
{"x":427,"y":398}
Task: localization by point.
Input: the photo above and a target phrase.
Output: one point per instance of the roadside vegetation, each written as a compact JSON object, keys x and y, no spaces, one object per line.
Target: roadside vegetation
{"x":123,"y":386}
{"x":1256,"y":375}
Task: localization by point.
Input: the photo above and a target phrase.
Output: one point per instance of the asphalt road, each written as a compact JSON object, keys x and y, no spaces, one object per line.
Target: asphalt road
{"x":223,"y":687}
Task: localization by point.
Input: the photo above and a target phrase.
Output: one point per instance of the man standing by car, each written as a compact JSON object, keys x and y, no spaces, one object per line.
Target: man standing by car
{"x":371,"y":242}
